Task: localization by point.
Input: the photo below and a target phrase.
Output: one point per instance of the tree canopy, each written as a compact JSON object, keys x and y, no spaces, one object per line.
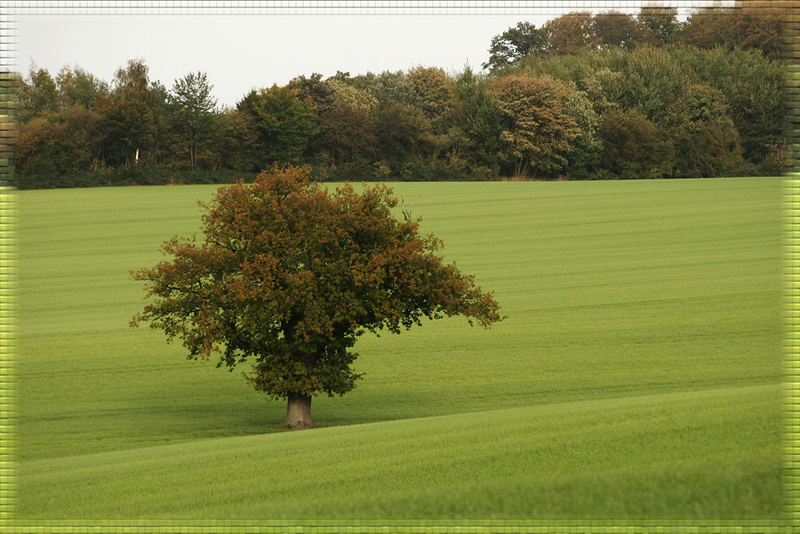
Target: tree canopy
{"x":514,"y":44}
{"x":429,"y":124}
{"x":288,"y":275}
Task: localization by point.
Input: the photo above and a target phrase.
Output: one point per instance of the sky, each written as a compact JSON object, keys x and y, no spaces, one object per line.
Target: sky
{"x":243,"y":52}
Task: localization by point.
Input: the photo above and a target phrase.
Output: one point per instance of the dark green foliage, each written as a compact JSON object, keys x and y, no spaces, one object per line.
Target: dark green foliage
{"x":76,"y":87}
{"x":427,"y":124}
{"x":59,"y":143}
{"x":514,"y":44}
{"x":754,"y":88}
{"x":662,"y":21}
{"x":652,"y":82}
{"x":193,"y":105}
{"x":632,"y":148}
{"x":402,"y":132}
{"x":483,"y":121}
{"x":345,"y":135}
{"x":141,"y":175}
{"x":614,"y":29}
{"x":584,"y":160}
{"x":358,"y":170}
{"x":706,"y":141}
{"x":37,"y":96}
{"x":284,"y":123}
{"x":130,"y":127}
{"x":744,"y":88}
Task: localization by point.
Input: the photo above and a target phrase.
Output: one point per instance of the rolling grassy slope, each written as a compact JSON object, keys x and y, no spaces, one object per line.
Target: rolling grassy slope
{"x":646,"y":310}
{"x":704,"y":454}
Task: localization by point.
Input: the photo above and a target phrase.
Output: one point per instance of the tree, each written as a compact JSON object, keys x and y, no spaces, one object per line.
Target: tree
{"x":191,"y":96}
{"x":285,"y":124}
{"x":239,"y":145}
{"x":387,"y":87}
{"x":652,"y":81}
{"x":706,"y":137}
{"x":483,"y":122}
{"x":754,"y":87}
{"x":290,"y":275}
{"x":570,"y":33}
{"x":662,"y":21}
{"x":313,"y":90}
{"x":130,"y":124}
{"x":345,"y":135}
{"x":586,"y":154}
{"x":40,"y":95}
{"x":632,"y":147}
{"x":76,"y":87}
{"x":620,"y":30}
{"x":403,"y":133}
{"x":434,"y":94}
{"x":167,"y":139}
{"x":345,"y":94}
{"x":59,"y":143}
{"x":749,"y":27}
{"x":539,"y":126}
{"x":514,"y":44}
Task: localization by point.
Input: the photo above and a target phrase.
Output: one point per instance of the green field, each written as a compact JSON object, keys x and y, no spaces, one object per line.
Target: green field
{"x":638,"y":374}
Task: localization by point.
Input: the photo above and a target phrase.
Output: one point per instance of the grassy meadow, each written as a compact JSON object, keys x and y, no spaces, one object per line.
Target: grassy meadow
{"x":637,"y":376}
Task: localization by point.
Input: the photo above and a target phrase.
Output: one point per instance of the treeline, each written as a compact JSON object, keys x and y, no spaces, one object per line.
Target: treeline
{"x":585,"y":96}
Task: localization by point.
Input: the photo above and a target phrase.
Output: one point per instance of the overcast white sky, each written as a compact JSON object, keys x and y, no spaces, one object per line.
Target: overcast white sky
{"x":243,"y":52}
{"x":240,"y":53}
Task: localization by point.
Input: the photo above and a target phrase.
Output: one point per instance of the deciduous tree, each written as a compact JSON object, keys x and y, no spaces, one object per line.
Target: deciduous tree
{"x":285,"y":124}
{"x":749,"y":27}
{"x":661,"y":20}
{"x":570,"y":33}
{"x":76,"y":87}
{"x":706,"y":137}
{"x":514,"y":44}
{"x":130,"y":124}
{"x":402,"y":131}
{"x":632,"y":147}
{"x":346,"y":135}
{"x":614,"y":29}
{"x":434,"y":94}
{"x":193,"y":103}
{"x":36,"y":95}
{"x":539,"y":125}
{"x":289,"y":275}
{"x":754,"y":89}
{"x":314,"y":91}
{"x":483,"y":121}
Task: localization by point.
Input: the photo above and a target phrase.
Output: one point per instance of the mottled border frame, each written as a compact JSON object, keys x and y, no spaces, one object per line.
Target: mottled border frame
{"x":10,"y":9}
{"x":791,"y":471}
{"x":7,"y":268}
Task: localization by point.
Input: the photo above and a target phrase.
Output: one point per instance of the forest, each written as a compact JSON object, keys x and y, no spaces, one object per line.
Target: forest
{"x":585,"y":96}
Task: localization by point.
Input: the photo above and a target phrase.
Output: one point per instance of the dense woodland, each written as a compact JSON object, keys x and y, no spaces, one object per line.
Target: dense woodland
{"x":584,"y":96}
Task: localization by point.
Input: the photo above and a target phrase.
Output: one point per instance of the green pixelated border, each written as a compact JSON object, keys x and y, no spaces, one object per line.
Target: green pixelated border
{"x":791,"y":212}
{"x":791,"y":471}
{"x":407,"y":527}
{"x":7,"y":271}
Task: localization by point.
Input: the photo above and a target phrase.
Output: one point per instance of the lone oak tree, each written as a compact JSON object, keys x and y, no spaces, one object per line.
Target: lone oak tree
{"x":289,"y":275}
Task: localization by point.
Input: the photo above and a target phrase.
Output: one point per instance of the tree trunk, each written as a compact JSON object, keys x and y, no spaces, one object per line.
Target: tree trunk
{"x":298,"y":411}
